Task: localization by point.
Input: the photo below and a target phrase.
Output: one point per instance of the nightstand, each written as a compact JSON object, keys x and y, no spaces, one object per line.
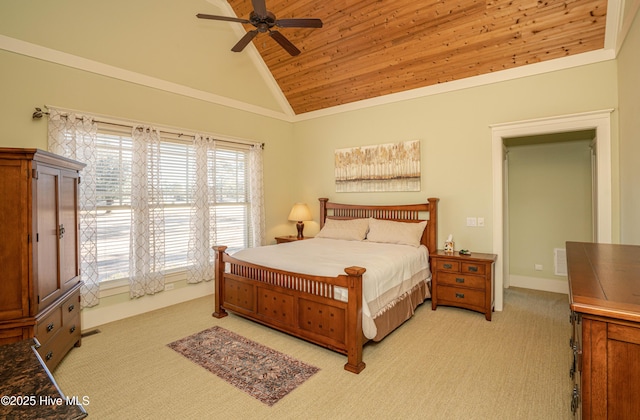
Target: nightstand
{"x":290,"y":238}
{"x":465,"y":281}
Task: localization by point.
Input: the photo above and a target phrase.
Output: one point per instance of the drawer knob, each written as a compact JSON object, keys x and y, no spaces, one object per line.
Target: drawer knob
{"x":473,"y":268}
{"x":459,"y":279}
{"x":72,"y":329}
{"x":448,"y":266}
{"x":50,"y":327}
{"x":49,"y":355}
{"x":71,"y":308}
{"x":460,"y":295}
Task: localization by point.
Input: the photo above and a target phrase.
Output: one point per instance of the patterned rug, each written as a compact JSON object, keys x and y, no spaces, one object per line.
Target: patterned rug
{"x":259,"y":371}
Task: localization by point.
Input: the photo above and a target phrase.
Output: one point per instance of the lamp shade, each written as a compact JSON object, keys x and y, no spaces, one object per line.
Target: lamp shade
{"x":300,"y":212}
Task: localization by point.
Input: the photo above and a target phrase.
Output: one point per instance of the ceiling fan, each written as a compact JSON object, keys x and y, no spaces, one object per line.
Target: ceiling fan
{"x":264,"y":20}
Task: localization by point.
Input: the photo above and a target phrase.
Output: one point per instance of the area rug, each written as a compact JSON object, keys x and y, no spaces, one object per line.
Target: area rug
{"x":261,"y":372}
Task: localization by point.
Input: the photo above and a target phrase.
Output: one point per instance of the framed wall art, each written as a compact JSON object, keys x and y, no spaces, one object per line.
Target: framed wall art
{"x":384,"y":167}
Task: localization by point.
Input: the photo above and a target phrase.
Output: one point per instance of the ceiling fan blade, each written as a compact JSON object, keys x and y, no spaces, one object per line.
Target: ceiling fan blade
{"x":284,"y":42}
{"x":260,"y":7}
{"x":299,"y":23}
{"x":225,"y":18}
{"x":244,"y":41}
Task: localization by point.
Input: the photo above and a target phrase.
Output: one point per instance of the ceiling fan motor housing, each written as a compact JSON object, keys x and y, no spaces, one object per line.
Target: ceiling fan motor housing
{"x":262,"y":23}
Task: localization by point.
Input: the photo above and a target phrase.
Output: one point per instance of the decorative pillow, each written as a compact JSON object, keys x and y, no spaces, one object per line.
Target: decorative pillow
{"x":350,"y":230}
{"x":388,"y":231}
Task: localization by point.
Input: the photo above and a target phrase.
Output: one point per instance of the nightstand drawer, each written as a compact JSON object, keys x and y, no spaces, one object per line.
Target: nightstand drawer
{"x":473,"y":268}
{"x":447,"y":265}
{"x":464,"y":280}
{"x":463,"y":297}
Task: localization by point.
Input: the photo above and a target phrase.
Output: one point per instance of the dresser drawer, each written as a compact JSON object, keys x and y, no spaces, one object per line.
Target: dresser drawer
{"x":48,"y":325}
{"x":461,"y":297}
{"x":464,"y":280}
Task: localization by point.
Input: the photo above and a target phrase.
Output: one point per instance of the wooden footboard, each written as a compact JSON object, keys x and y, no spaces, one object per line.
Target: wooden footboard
{"x":301,"y":305}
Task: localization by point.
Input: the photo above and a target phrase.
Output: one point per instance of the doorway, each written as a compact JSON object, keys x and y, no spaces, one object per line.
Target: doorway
{"x":599,"y":122}
{"x":549,"y":199}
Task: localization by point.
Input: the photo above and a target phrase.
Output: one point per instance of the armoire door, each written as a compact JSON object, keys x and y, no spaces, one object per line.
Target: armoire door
{"x":47,"y":228}
{"x":69,"y":230}
{"x":15,"y":239}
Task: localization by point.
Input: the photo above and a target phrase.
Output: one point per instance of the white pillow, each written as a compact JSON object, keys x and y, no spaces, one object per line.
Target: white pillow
{"x":350,"y":230}
{"x":388,"y":231}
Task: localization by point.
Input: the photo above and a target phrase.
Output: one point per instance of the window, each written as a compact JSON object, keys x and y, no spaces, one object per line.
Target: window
{"x":229,"y":199}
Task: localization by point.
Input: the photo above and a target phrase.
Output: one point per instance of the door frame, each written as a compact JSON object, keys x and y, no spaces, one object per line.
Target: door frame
{"x":598,"y":120}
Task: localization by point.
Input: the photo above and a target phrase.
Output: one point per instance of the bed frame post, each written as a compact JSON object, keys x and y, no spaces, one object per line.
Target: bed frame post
{"x":323,"y":210}
{"x":355,"y":339}
{"x":218,"y":310}
{"x":432,"y":225}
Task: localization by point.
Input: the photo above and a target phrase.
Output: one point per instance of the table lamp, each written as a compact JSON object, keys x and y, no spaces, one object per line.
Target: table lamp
{"x":299,"y":213}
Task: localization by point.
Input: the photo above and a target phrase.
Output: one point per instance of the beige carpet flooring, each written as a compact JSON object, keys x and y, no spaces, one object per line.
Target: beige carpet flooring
{"x":445,"y":364}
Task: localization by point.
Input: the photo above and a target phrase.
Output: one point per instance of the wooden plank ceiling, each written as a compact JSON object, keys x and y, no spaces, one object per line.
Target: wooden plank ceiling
{"x":369,"y":48}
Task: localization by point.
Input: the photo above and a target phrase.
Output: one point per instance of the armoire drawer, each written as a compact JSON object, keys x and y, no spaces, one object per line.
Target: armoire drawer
{"x":49,"y":324}
{"x":62,"y":341}
{"x":58,"y":328}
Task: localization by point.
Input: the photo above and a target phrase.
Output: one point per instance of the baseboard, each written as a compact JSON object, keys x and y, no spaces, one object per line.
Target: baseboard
{"x":548,"y":285}
{"x":96,"y":316}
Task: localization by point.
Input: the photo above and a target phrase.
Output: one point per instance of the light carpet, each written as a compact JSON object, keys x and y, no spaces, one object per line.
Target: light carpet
{"x":444,"y":364}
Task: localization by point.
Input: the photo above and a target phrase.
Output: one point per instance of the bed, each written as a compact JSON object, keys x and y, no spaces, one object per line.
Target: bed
{"x":329,"y":308}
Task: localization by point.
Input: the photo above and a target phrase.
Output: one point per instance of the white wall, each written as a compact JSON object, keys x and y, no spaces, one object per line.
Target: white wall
{"x":550,"y":203}
{"x":629,"y":80}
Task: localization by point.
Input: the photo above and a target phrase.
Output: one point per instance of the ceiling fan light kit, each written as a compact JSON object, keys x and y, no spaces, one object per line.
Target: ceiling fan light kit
{"x":263,"y":20}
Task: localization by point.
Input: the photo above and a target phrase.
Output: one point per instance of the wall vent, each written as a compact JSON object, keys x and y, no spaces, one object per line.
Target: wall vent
{"x":560,"y":261}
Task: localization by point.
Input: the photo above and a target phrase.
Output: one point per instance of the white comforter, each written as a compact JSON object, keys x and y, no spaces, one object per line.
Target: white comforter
{"x":392,"y":270}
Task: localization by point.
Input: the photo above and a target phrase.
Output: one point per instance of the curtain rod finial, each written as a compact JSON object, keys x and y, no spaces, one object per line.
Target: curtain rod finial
{"x":38,"y":113}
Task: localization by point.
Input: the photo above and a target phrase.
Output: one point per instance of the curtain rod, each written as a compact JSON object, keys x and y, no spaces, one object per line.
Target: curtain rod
{"x":39,"y":113}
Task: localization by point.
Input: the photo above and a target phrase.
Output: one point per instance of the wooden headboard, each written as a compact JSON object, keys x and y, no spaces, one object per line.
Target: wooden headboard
{"x":411,"y":213}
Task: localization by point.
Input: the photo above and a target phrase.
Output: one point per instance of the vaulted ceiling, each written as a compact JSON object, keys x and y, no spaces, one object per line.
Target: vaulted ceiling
{"x":370,"y":48}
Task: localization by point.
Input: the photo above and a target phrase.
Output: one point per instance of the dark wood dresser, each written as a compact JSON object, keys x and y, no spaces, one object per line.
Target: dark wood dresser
{"x":604,"y":293}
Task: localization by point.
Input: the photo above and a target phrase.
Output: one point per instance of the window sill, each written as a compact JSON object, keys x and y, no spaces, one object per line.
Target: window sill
{"x":121,"y":286}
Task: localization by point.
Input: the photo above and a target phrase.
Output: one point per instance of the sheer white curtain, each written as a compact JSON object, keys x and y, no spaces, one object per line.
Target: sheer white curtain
{"x":202,"y":220}
{"x":202,"y":226}
{"x":256,"y":195}
{"x":74,"y":136}
{"x":146,"y":253}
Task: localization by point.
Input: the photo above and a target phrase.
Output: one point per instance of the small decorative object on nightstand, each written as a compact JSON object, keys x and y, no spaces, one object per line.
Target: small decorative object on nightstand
{"x":299,"y":213}
{"x":465,"y":281}
{"x":290,"y":238}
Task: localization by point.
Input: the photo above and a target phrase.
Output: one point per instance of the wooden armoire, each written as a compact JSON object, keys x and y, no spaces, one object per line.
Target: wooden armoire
{"x":39,"y":251}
